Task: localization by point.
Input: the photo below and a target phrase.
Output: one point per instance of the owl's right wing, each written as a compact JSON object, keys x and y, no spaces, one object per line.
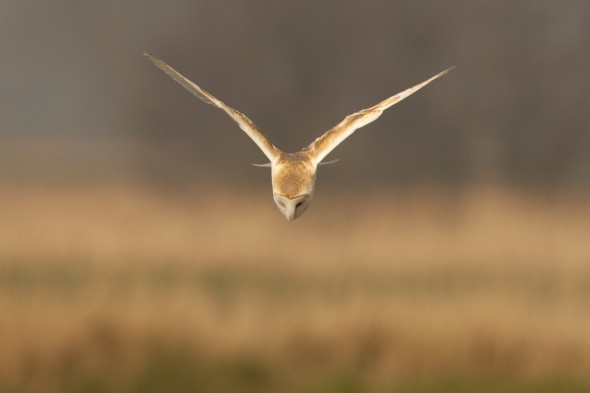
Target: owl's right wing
{"x":245,"y":124}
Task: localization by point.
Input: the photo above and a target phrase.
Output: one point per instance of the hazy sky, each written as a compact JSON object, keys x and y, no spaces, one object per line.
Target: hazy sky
{"x":514,"y":110}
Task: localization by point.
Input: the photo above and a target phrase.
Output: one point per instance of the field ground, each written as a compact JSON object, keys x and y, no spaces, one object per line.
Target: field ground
{"x":140,"y":290}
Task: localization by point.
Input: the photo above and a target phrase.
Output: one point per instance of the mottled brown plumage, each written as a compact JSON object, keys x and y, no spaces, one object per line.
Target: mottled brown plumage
{"x":294,"y":174}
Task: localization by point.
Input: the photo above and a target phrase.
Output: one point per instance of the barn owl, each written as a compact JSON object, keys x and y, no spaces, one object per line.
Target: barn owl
{"x":294,"y":174}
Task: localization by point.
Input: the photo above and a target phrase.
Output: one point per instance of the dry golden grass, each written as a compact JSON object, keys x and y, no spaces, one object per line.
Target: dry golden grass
{"x":482,"y":283}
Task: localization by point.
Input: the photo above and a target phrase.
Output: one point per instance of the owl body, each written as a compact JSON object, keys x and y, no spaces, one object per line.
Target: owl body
{"x":293,"y":180}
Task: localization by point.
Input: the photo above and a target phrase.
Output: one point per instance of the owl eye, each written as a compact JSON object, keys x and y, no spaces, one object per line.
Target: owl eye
{"x":298,"y":204}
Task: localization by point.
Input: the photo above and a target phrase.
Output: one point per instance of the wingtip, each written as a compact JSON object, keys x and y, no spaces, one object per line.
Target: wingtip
{"x":150,"y":56}
{"x":442,"y":73}
{"x":451,"y":68}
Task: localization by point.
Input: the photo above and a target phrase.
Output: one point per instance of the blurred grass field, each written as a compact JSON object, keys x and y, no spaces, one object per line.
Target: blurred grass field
{"x":135,"y":289}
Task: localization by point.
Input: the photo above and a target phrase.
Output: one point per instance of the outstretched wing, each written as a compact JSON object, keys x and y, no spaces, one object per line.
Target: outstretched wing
{"x":245,"y":124}
{"x":323,"y":145}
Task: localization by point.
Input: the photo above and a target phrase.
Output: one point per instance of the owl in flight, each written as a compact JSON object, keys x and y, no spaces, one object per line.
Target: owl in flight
{"x":293,"y":174}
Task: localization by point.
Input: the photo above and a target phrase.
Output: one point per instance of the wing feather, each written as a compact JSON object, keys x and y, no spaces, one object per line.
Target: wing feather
{"x":323,"y":145}
{"x":243,"y":121}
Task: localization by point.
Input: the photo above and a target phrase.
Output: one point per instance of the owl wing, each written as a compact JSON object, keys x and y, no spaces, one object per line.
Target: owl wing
{"x":323,"y":145}
{"x":245,"y":124}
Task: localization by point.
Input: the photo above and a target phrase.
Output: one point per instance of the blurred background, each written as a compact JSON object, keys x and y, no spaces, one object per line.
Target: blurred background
{"x":446,"y":251}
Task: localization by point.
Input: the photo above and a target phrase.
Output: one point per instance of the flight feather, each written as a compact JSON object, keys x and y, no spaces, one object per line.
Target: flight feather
{"x":243,"y":121}
{"x":323,"y":145}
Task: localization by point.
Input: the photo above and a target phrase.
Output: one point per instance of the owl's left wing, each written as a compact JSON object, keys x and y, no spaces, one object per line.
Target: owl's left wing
{"x":323,"y":145}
